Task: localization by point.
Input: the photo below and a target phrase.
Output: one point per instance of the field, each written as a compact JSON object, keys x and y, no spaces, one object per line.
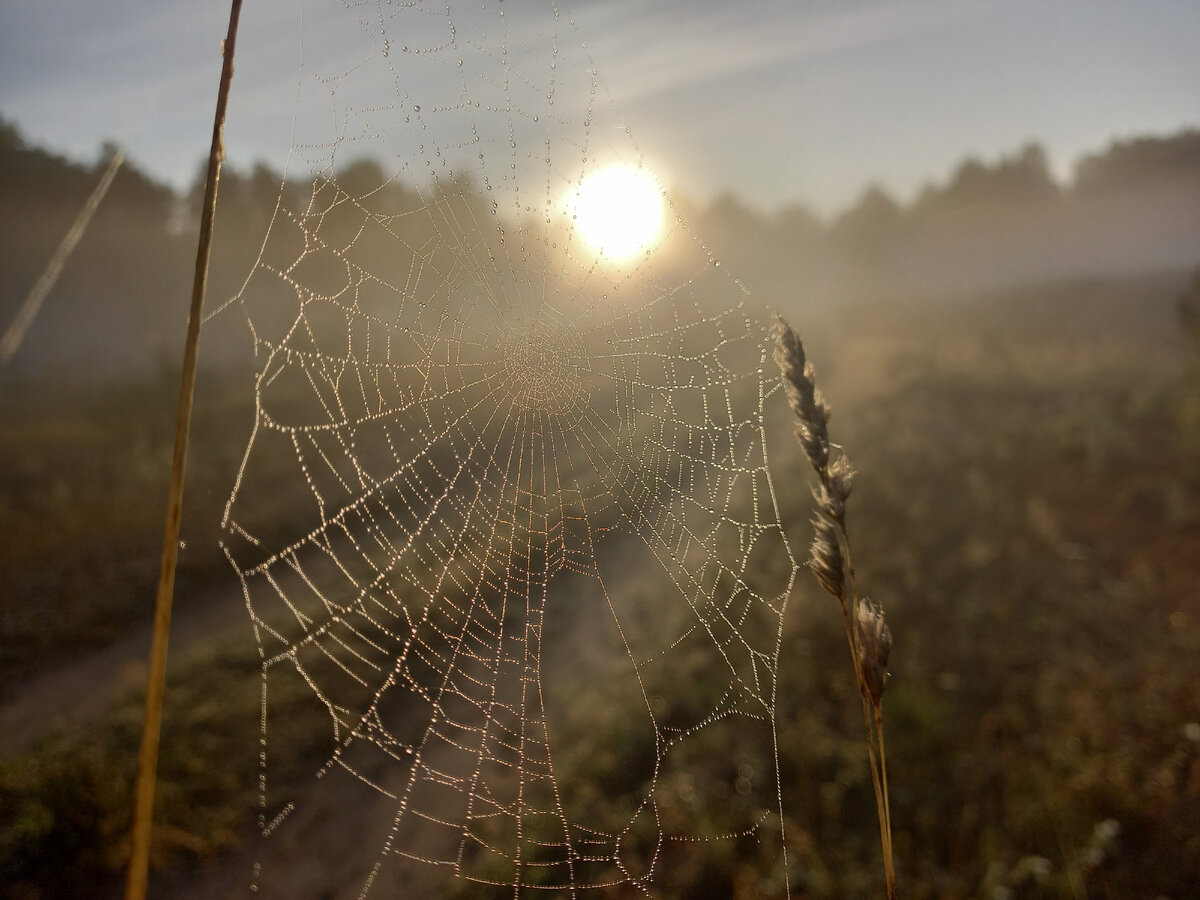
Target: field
{"x":1027,"y":510}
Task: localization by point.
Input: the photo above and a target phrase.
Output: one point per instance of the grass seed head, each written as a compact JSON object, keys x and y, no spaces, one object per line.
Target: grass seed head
{"x":874,"y":646}
{"x":826,"y":561}
{"x":841,"y":478}
{"x":799,"y":382}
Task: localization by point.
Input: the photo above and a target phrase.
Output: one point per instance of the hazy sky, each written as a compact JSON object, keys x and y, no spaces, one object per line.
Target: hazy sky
{"x":780,"y":101}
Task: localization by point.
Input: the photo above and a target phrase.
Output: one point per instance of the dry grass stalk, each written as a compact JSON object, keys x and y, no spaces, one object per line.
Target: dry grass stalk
{"x":143,"y":807}
{"x":11,"y":342}
{"x":867,"y":632}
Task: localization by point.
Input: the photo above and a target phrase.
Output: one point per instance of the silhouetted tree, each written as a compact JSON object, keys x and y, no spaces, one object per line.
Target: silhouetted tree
{"x":1134,"y":163}
{"x":1022,"y":178}
{"x":871,"y":226}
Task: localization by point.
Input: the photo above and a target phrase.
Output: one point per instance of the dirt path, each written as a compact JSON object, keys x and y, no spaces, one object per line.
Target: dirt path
{"x":81,"y":689}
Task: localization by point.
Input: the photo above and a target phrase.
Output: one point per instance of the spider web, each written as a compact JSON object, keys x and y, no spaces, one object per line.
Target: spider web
{"x":505,"y":513}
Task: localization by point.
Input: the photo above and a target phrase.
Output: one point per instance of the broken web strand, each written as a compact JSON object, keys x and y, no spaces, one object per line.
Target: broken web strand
{"x":479,"y":405}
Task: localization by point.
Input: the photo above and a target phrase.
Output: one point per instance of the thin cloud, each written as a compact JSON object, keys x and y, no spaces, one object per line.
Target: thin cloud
{"x":678,"y":46}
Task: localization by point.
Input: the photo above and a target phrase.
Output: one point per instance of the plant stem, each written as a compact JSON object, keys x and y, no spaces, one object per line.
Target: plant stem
{"x":878,"y":766}
{"x":887,"y":807}
{"x":143,"y":812}
{"x":11,"y":341}
{"x":874,"y":734}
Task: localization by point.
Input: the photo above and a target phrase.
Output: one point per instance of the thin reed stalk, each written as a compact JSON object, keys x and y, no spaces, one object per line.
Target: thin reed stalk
{"x":139,"y":852}
{"x":11,"y":342}
{"x":867,"y":633}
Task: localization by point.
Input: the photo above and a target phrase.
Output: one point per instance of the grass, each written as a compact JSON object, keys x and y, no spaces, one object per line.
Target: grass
{"x":82,"y":483}
{"x":152,"y":727}
{"x":65,"y":804}
{"x":1032,"y":539}
{"x":867,"y":632}
{"x":1041,"y":588}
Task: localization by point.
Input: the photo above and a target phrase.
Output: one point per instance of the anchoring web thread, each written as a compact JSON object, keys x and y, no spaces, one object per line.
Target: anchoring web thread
{"x":530,"y":563}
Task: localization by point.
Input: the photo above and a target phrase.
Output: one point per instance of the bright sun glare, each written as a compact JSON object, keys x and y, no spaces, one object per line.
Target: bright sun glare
{"x":619,"y":211}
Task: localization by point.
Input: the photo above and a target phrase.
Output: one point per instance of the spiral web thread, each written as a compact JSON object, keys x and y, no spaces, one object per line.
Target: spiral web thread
{"x":505,"y":512}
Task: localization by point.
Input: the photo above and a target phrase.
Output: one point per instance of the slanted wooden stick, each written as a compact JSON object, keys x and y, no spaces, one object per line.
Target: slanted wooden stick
{"x":11,"y":342}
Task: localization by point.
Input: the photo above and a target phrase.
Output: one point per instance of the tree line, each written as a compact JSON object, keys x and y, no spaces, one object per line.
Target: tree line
{"x":119,"y":307}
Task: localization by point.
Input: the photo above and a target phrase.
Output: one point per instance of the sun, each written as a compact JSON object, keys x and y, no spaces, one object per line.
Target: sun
{"x":619,"y":211}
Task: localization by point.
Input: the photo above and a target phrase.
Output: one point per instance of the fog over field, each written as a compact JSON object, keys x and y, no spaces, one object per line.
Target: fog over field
{"x":495,"y":574}
{"x":1130,"y":208}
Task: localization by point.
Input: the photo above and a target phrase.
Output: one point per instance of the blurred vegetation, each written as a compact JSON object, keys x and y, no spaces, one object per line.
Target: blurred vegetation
{"x":1042,"y":718}
{"x":83,"y":482}
{"x":1028,"y":510}
{"x":65,"y":804}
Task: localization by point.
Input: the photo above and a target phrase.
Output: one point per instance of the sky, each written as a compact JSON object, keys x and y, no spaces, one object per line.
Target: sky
{"x":777,"y":101}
